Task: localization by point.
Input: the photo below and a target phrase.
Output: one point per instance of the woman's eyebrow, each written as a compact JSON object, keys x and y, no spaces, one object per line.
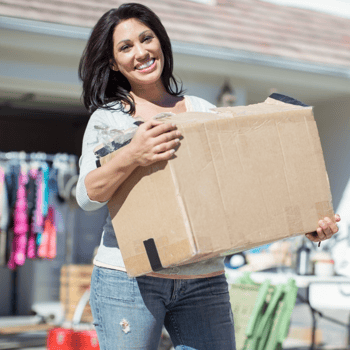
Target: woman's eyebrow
{"x":147,"y":31}
{"x":123,"y":41}
{"x":140,"y":35}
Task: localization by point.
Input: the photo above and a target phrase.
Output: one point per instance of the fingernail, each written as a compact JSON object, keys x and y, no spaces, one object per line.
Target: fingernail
{"x":177,"y":140}
{"x":172,"y":151}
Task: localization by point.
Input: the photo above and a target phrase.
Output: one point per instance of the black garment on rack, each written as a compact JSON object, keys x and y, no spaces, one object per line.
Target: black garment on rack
{"x":31,"y":191}
{"x":11,"y":181}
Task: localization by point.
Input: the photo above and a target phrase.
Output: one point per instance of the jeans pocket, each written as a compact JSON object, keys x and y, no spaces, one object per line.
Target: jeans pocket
{"x":114,"y":284}
{"x":218,"y":285}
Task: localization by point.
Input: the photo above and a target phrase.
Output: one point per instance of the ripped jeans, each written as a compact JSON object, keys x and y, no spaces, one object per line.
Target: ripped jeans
{"x":129,"y":313}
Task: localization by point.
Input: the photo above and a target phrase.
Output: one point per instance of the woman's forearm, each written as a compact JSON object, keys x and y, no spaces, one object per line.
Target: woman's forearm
{"x":101,"y":183}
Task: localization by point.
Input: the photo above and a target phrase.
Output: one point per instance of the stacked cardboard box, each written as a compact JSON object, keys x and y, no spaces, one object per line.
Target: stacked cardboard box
{"x":75,"y":280}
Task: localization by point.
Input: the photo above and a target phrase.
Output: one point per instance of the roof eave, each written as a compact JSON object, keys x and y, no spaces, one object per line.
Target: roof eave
{"x":254,"y":58}
{"x":184,"y":48}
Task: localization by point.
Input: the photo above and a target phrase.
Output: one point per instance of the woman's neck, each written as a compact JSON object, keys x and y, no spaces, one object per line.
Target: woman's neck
{"x":155,"y":94}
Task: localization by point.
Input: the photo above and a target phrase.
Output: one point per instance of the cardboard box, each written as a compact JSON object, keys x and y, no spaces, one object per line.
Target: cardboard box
{"x":242,"y":177}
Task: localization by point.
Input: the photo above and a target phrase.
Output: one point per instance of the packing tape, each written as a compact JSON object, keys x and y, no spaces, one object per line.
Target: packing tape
{"x":324,"y":209}
{"x":152,"y":254}
{"x":139,"y":246}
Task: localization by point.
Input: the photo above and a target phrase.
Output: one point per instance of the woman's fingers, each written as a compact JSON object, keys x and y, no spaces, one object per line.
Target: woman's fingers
{"x":327,"y":228}
{"x":157,"y":128}
{"x":330,"y":227}
{"x":167,"y":137}
{"x":155,"y":141}
{"x":167,"y":146}
{"x":312,"y":236}
{"x":163,"y":156}
{"x":150,"y":124}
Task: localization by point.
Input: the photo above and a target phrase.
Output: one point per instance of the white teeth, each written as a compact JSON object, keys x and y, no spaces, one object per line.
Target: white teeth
{"x":147,"y":64}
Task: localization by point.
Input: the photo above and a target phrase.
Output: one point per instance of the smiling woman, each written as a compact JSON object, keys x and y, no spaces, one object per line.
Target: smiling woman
{"x":127,"y":72}
{"x":99,"y":59}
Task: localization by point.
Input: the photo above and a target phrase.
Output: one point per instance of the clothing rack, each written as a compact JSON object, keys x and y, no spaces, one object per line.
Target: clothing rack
{"x":37,"y":156}
{"x":55,"y":159}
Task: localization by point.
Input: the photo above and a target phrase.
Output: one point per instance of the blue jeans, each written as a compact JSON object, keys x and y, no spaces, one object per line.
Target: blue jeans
{"x":129,"y":313}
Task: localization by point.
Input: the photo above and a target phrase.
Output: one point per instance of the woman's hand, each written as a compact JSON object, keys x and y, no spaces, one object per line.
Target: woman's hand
{"x":154,"y":141}
{"x":326,"y":229}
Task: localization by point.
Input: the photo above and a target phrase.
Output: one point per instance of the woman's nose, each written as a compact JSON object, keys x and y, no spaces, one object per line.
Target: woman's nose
{"x":141,"y":52}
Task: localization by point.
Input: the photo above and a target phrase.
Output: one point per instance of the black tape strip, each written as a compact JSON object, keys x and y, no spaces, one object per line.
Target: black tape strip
{"x":113,"y":147}
{"x":98,"y":163}
{"x":152,"y":254}
{"x":287,"y":99}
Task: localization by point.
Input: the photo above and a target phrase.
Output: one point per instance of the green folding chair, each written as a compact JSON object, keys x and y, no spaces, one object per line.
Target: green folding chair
{"x":283,"y":316}
{"x":262,"y":313}
{"x":257,"y":338}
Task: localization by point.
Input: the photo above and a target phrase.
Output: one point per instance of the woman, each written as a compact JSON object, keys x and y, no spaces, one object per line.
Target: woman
{"x":126,"y":71}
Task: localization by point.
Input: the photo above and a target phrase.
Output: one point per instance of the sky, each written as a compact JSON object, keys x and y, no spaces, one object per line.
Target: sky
{"x":335,"y":7}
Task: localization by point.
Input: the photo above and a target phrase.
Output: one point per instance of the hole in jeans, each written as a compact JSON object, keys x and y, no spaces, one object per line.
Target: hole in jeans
{"x":125,"y":325}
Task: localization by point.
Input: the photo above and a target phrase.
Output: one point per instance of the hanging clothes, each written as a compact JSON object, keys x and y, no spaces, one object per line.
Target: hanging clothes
{"x":28,"y":190}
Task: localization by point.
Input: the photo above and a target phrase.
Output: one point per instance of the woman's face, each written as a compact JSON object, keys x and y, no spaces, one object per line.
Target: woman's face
{"x":137,"y":53}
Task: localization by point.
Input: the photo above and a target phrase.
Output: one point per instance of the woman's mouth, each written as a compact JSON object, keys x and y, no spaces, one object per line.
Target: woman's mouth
{"x":146,"y":65}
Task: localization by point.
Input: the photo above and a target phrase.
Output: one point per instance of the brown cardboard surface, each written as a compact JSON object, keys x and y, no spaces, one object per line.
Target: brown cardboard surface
{"x":242,"y":177}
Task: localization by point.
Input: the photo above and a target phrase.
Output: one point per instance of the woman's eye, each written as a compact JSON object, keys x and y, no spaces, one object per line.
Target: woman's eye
{"x":148,"y":38}
{"x":124,"y":47}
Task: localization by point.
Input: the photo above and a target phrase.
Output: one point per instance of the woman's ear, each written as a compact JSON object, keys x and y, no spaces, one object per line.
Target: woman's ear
{"x":113,"y":65}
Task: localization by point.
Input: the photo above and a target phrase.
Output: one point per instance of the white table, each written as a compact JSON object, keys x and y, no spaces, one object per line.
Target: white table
{"x":324,"y":292}
{"x":276,"y":278}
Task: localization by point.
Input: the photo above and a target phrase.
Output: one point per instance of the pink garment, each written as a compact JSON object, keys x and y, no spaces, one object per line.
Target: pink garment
{"x":52,"y":249}
{"x":11,"y":264}
{"x":47,"y":248}
{"x":21,"y":226}
{"x":20,"y":214}
{"x":31,"y":245}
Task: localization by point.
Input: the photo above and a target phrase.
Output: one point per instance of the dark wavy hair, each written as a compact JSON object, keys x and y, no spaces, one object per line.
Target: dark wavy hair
{"x":106,"y":88}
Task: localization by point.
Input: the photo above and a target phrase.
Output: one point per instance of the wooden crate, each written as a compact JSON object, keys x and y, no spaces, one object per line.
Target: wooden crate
{"x":74,"y":281}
